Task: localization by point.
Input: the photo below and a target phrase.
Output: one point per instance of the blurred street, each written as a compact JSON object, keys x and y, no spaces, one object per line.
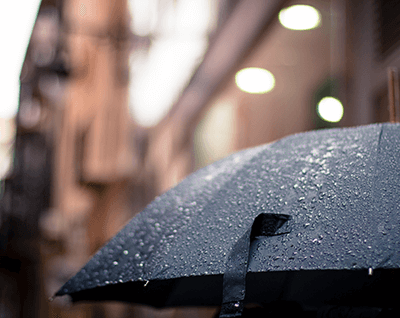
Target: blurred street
{"x":121,"y":100}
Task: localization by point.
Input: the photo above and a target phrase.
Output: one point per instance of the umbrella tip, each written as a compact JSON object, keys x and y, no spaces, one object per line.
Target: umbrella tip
{"x":393,"y":87}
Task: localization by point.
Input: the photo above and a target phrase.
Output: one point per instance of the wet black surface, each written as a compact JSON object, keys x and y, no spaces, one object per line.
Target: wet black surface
{"x":340,"y":188}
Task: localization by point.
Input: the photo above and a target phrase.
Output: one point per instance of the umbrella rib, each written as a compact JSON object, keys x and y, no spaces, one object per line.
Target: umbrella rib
{"x":376,"y":174}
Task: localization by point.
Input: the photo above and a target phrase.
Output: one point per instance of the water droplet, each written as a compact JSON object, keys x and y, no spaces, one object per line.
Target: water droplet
{"x":115,"y":263}
{"x":126,"y":252}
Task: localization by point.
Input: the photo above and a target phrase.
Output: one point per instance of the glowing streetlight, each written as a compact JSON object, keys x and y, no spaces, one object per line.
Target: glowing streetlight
{"x":255,"y":80}
{"x":300,"y":17}
{"x":330,"y":109}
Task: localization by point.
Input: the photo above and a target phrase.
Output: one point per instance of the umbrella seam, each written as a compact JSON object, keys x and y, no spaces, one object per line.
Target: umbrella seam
{"x":375,"y":174}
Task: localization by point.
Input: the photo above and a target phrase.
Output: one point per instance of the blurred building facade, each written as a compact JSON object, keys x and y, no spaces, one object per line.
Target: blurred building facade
{"x":84,"y":164}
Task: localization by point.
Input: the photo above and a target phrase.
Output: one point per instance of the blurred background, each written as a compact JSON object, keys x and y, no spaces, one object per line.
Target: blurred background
{"x":117,"y":101}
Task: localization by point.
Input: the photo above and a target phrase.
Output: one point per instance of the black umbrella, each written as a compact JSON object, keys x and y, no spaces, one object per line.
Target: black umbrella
{"x":312,"y":218}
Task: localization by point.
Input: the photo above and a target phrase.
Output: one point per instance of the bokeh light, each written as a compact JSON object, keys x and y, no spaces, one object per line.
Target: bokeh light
{"x":17,"y":19}
{"x":300,"y":17}
{"x":255,"y":80}
{"x":330,"y":109}
{"x":177,"y":35}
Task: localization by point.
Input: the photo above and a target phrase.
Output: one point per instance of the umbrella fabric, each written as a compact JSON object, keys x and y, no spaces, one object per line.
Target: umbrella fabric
{"x":339,"y":192}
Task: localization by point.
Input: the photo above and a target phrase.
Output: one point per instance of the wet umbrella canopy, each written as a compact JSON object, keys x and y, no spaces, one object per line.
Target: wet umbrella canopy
{"x":312,"y":218}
